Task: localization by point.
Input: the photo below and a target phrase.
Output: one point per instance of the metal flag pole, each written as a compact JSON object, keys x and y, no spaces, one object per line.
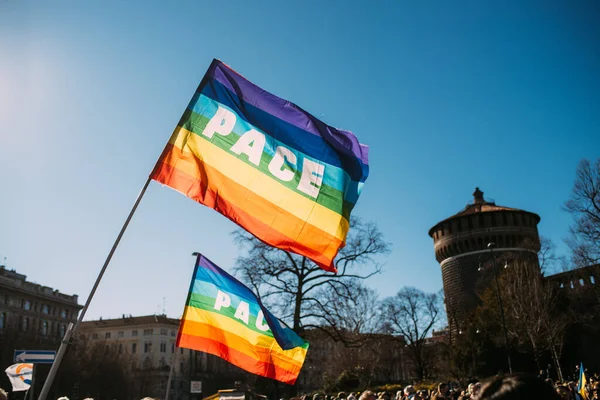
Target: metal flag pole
{"x":171,"y":371}
{"x":72,"y":329}
{"x":32,"y":383}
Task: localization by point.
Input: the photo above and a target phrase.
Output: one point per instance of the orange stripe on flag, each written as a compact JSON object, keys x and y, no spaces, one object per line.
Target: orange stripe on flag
{"x":237,"y":358}
{"x":265,"y":220}
{"x":273,"y":355}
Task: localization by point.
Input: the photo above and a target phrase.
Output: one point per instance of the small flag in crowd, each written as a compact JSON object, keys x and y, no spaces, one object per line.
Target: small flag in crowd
{"x":20,"y":376}
{"x":582,"y":383}
{"x":223,"y":317}
{"x":269,"y":166}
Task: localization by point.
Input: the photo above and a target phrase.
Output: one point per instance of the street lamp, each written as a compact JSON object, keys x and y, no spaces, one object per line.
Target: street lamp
{"x":491,"y":247}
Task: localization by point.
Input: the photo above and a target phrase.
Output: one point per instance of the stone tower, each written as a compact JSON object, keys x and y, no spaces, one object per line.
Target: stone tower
{"x":461,"y":247}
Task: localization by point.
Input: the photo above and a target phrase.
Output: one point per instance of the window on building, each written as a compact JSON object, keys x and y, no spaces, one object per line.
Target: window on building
{"x":147,"y":346}
{"x":164,"y":331}
{"x":94,"y":336}
{"x":163,"y":347}
{"x":134,"y":333}
{"x":120,"y":334}
{"x":107,"y":335}
{"x":133,"y":348}
{"x":173,"y":333}
{"x":45,"y":309}
{"x":148,"y":331}
{"x":44,"y":328}
{"x":180,"y":367}
{"x":172,"y":347}
{"x":61,"y":330}
{"x":2,"y":320}
{"x":63,"y":313}
{"x":25,"y":324}
{"x":120,"y":348}
{"x":26,"y":305}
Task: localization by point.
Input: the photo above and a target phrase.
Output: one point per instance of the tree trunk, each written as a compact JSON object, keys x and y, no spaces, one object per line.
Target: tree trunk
{"x":297,"y":309}
{"x":556,"y":362}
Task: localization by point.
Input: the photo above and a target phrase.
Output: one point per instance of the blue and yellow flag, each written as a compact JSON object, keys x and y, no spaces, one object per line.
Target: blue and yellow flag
{"x":582,"y":382}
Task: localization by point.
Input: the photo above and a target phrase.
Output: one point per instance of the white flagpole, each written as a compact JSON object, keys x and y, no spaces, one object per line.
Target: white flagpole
{"x":171,"y":371}
{"x":32,"y":382}
{"x":72,"y":329}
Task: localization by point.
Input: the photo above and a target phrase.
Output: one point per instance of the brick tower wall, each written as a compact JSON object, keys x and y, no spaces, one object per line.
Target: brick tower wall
{"x":461,"y":248}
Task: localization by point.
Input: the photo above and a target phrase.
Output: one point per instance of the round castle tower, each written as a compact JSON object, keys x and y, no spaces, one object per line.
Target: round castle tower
{"x":461,"y":247}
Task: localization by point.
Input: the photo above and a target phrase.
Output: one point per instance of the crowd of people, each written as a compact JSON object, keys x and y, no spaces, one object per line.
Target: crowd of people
{"x":517,"y":386}
{"x":510,"y":387}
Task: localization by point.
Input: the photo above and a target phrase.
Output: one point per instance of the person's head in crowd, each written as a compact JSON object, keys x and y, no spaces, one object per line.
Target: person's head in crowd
{"x":367,"y":395}
{"x":474,"y":388}
{"x":595,"y":393}
{"x":410,"y":391}
{"x":564,"y":392}
{"x":516,"y":387}
{"x":443,"y":389}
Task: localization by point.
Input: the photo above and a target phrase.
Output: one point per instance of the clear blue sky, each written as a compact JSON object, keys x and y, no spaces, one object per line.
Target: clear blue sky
{"x":449,"y":96}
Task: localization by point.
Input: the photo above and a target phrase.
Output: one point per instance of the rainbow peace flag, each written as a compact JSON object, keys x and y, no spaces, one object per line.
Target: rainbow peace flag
{"x":223,"y":317}
{"x":267,"y":165}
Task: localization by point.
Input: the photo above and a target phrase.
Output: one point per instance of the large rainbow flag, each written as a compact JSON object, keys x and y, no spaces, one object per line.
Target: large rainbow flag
{"x":266,"y":164}
{"x":223,"y":317}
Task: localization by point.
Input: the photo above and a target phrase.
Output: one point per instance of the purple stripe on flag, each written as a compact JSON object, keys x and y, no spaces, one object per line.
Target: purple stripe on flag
{"x":343,"y":141}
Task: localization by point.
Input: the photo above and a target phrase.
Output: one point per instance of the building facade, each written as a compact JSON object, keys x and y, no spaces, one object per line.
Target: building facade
{"x":34,"y":312}
{"x":148,"y":345}
{"x":462,"y":247}
{"x":32,"y":316}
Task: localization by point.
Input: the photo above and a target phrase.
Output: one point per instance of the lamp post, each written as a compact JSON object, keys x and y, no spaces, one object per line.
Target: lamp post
{"x":491,"y":247}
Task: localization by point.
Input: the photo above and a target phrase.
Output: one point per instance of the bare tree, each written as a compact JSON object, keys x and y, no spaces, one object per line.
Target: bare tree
{"x":412,"y":314}
{"x":532,"y":304}
{"x":307,"y":296}
{"x":356,"y":315}
{"x":547,"y":257}
{"x":584,"y":206}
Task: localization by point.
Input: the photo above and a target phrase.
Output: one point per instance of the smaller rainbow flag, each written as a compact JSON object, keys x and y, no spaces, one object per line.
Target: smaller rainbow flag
{"x":223,"y":317}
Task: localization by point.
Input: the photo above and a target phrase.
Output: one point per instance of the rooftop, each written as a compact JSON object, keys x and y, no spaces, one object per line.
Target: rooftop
{"x":9,"y":278}
{"x":130,"y":321}
{"x":481,"y":205}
